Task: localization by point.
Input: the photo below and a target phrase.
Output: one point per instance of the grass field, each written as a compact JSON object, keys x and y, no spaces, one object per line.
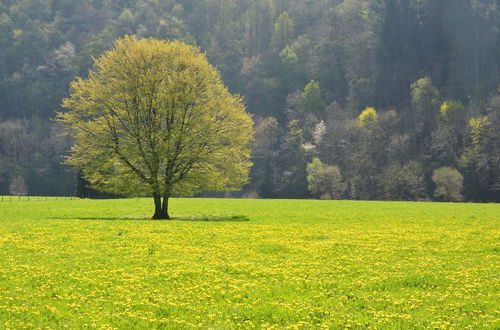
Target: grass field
{"x":249,"y":263}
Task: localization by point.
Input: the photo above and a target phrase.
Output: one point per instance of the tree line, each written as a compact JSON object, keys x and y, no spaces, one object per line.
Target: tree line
{"x":361,"y":99}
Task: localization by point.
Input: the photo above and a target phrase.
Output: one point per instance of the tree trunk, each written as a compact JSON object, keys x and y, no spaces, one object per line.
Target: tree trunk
{"x":164,"y":207}
{"x":161,"y":209}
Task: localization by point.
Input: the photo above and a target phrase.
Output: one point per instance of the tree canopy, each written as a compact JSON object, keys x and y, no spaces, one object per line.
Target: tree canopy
{"x":154,"y":118}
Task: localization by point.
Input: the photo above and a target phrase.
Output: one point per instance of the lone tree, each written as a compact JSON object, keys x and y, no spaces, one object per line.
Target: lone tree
{"x":153,"y":118}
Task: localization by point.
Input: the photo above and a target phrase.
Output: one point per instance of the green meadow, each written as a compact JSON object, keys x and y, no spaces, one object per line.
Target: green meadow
{"x":249,"y":263}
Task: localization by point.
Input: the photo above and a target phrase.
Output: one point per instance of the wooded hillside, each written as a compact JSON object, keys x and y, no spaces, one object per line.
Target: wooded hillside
{"x":397,"y":99}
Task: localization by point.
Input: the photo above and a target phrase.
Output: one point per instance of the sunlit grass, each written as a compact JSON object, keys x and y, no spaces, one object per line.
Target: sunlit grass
{"x":254,"y":263}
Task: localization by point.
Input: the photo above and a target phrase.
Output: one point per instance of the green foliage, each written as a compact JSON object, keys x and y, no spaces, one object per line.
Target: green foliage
{"x":424,"y":97}
{"x":424,"y":103}
{"x":293,"y":180}
{"x":452,"y":112}
{"x":288,"y":68}
{"x":482,"y":135}
{"x":283,"y":31}
{"x":394,"y":52}
{"x":445,"y":147}
{"x":312,"y":100}
{"x":368,"y":117}
{"x":482,"y":131}
{"x":154,"y":118}
{"x":481,"y":160}
{"x":126,"y":17}
{"x":329,"y":262}
{"x":368,"y":51}
{"x":449,"y":139}
{"x":405,"y":182}
{"x":449,"y":184}
{"x":324,"y":181}
{"x":267,"y":133}
{"x":288,"y":57}
{"x":361,"y":52}
{"x":265,"y":147}
{"x":365,"y":161}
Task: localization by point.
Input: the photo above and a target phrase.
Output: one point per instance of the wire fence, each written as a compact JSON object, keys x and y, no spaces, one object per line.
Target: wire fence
{"x":11,"y":198}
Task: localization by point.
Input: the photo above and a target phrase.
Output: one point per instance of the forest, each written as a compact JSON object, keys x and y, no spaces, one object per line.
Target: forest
{"x":351,"y":99}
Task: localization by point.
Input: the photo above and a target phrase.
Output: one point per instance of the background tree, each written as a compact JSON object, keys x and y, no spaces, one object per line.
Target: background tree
{"x":405,"y":182}
{"x":448,"y":140}
{"x":283,"y":31}
{"x":33,"y":149}
{"x":264,"y":156}
{"x":424,"y":111}
{"x":293,"y":180}
{"x":368,"y":119}
{"x":449,"y":184}
{"x":18,"y":187}
{"x":154,"y":118}
{"x":481,"y":160}
{"x":365,"y":158}
{"x":312,"y":100}
{"x":324,"y":181}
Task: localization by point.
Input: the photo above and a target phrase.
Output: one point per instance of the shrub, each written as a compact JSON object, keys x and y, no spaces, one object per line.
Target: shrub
{"x":449,"y":184}
{"x":324,"y":181}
